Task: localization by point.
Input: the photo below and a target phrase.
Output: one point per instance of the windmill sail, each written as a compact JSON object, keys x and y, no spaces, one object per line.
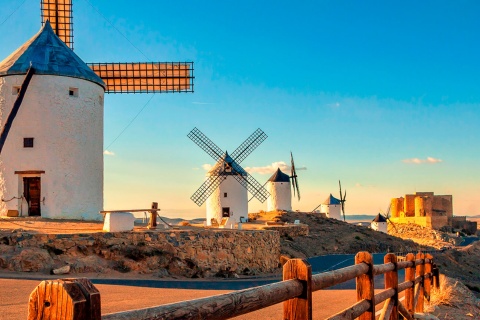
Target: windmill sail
{"x":294,"y":177}
{"x":145,"y":77}
{"x":59,"y":13}
{"x":228,"y":165}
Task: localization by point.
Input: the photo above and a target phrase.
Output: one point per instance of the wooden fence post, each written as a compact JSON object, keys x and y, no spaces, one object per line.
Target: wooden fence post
{"x":436,"y":276}
{"x":428,"y":281}
{"x":365,"y":286}
{"x":67,"y":299}
{"x":390,"y":309}
{"x":420,"y":271}
{"x":153,"y":216}
{"x":301,"y":307}
{"x":410,"y":276}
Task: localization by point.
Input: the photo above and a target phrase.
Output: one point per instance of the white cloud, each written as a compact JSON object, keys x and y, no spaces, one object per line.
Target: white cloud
{"x":268,"y":169}
{"x":271,"y":168}
{"x":108,"y":153}
{"x":207,"y":167}
{"x":428,"y":160}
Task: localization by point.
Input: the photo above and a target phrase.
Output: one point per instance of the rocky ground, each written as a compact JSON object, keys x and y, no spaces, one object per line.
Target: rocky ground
{"x":327,"y":236}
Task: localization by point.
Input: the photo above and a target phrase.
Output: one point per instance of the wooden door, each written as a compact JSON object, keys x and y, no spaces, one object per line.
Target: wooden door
{"x":226,"y":212}
{"x":31,"y":192}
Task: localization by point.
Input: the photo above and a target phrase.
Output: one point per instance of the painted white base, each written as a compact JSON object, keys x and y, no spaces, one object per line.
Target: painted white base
{"x":280,"y":196}
{"x":230,"y":194}
{"x":118,"y":222}
{"x":331,"y":211}
{"x":67,"y":153}
{"x":379,"y":226}
{"x":229,"y":224}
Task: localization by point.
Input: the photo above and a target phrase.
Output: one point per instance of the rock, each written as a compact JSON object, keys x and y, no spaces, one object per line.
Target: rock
{"x":62,"y":270}
{"x":31,"y":260}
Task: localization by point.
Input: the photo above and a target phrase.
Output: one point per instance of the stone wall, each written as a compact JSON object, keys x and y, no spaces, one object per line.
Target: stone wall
{"x":290,"y":230}
{"x":204,"y":253}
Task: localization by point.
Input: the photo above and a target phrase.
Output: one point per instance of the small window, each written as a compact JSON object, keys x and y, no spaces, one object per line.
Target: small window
{"x":73,"y":92}
{"x":15,"y":90}
{"x":224,"y":194}
{"x":28,"y":142}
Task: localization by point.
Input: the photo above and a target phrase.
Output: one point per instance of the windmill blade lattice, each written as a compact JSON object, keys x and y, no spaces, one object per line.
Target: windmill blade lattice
{"x":249,"y":145}
{"x":206,"y":144}
{"x":207,"y":188}
{"x":219,"y":175}
{"x":253,"y":186}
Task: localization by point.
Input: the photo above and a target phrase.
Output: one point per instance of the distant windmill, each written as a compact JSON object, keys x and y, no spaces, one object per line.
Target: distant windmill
{"x":342,"y":199}
{"x":225,"y":197}
{"x":387,"y":216}
{"x":280,"y":186}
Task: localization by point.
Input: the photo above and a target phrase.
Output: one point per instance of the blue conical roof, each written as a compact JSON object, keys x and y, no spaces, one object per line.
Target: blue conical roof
{"x":279,"y":176}
{"x":332,"y":200}
{"x":226,"y":159}
{"x":48,"y":55}
{"x":379,"y":218}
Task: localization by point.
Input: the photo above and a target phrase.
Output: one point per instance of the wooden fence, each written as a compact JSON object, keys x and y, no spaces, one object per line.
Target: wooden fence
{"x":79,"y":299}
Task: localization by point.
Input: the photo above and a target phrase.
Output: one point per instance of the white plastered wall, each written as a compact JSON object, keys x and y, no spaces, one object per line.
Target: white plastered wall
{"x":280,"y":196}
{"x":379,"y":226}
{"x":332,"y":211}
{"x":236,"y":200}
{"x":68,"y":146}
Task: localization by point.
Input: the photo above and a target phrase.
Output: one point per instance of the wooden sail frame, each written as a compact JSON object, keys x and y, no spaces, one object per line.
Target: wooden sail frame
{"x":60,"y":15}
{"x":145,"y":77}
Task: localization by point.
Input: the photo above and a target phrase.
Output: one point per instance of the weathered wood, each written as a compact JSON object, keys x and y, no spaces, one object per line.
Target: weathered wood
{"x":153,"y":216}
{"x":383,"y":268}
{"x":218,"y":307}
{"x":420,"y":271}
{"x":427,"y":282}
{"x":64,"y":299}
{"x":410,"y":276}
{"x":404,"y":312}
{"x":391,"y":281}
{"x":405,"y":285}
{"x":331,"y":278}
{"x":436,"y":276}
{"x":91,"y":293}
{"x":365,"y":286}
{"x":387,"y":310}
{"x":384,"y":295}
{"x":404,"y":264}
{"x":127,"y":210}
{"x":298,"y":308}
{"x":353,"y":312}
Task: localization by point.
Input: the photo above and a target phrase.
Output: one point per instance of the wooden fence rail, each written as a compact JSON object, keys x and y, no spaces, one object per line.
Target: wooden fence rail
{"x":79,"y":299}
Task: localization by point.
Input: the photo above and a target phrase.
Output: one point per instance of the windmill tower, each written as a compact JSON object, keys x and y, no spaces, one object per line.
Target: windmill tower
{"x":51,"y":116}
{"x":379,"y":223}
{"x":226,"y":185}
{"x":331,"y":207}
{"x":279,"y":187}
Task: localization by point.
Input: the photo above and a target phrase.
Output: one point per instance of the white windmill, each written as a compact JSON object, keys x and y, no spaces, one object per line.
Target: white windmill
{"x":51,"y":116}
{"x":279,"y":187}
{"x":225,"y":188}
{"x":331,"y":207}
{"x":379,"y":223}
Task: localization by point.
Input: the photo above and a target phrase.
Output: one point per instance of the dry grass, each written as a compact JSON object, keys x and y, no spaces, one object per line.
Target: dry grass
{"x":445,"y":295}
{"x":453,"y":300}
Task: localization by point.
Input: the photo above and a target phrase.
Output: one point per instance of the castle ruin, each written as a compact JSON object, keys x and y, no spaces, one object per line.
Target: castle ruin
{"x":428,"y":210}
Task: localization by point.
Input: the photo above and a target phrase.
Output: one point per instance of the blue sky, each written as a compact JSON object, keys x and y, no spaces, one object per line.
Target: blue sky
{"x":382,"y":95}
